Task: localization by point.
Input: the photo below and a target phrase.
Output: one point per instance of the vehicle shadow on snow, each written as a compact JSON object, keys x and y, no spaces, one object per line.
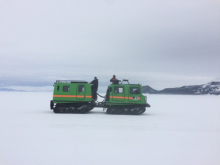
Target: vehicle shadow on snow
{"x":95,"y":112}
{"x":105,"y":113}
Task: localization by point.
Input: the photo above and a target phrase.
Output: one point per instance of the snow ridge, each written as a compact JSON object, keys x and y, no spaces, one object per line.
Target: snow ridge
{"x":212,"y":88}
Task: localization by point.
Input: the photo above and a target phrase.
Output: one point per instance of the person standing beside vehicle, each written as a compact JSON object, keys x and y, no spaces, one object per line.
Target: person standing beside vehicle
{"x":95,"y":84}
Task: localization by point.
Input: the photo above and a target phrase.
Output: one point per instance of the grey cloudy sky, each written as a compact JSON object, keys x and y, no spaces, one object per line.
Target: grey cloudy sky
{"x":158,"y":43}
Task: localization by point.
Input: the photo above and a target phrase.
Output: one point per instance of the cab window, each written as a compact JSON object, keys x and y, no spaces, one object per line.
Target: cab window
{"x":66,"y":88}
{"x":134,"y":90}
{"x":118,"y":90}
{"x":81,"y":88}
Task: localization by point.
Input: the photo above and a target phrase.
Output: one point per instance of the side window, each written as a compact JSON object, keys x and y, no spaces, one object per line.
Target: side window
{"x":134,"y":90}
{"x":58,"y":87}
{"x":81,"y":88}
{"x":66,"y":88}
{"x":118,"y":90}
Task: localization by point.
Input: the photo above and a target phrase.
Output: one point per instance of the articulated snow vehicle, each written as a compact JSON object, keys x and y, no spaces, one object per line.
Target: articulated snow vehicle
{"x":72,"y":96}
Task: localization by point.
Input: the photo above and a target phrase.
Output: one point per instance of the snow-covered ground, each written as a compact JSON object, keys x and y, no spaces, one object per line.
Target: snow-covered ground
{"x":176,"y":130}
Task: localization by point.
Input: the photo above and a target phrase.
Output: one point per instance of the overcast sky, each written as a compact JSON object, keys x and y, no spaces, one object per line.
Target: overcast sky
{"x":158,"y":43}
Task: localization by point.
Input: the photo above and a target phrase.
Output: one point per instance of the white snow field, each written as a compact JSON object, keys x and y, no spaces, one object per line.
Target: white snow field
{"x":176,"y":130}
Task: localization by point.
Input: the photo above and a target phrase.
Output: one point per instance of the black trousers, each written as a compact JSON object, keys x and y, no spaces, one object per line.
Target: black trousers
{"x":94,"y":93}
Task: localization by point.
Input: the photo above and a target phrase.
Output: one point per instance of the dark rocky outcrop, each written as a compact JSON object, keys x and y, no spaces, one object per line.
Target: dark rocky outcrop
{"x":209,"y":88}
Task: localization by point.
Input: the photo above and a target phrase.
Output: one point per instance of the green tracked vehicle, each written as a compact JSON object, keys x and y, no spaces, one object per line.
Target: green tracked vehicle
{"x":125,"y":99}
{"x":71,"y":96}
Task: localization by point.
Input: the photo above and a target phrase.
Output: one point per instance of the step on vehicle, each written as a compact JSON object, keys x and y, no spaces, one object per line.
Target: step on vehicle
{"x":75,"y":96}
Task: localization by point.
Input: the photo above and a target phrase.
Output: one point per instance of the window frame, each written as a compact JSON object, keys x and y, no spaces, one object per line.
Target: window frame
{"x":132,"y":92}
{"x":118,"y":89}
{"x":66,"y":86}
{"x":81,"y":88}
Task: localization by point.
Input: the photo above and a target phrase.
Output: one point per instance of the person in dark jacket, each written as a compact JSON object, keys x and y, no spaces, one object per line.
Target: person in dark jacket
{"x":114,"y":80}
{"x":95,"y":84}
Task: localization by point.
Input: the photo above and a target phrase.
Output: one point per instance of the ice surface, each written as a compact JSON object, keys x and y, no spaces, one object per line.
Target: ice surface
{"x":176,"y":130}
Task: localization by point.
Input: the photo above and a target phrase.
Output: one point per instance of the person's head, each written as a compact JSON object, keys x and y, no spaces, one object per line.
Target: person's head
{"x":95,"y":78}
{"x":114,"y":76}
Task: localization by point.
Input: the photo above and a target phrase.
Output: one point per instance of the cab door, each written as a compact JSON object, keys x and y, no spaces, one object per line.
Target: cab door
{"x":134,"y":94}
{"x":118,"y":93}
{"x":80,"y":92}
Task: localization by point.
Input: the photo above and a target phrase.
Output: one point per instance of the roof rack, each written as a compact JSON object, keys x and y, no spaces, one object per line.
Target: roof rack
{"x":125,"y":80}
{"x":71,"y":81}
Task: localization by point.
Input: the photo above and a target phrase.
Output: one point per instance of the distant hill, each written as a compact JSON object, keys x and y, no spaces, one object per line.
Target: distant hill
{"x":148,"y":89}
{"x":10,"y":90}
{"x":209,"y":88}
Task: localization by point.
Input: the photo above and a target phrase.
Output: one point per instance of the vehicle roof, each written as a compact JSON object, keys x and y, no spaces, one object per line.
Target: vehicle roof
{"x":71,"y":81}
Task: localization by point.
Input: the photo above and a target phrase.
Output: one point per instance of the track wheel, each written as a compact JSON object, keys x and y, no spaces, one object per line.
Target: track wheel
{"x":56,"y":110}
{"x":109,"y":111}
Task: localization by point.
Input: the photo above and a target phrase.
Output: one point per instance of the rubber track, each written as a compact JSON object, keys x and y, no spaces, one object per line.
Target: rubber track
{"x":126,"y":111}
{"x":70,"y":109}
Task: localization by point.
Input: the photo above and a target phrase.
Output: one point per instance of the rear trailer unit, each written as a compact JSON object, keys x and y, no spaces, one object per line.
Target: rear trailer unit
{"x":72,"y":96}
